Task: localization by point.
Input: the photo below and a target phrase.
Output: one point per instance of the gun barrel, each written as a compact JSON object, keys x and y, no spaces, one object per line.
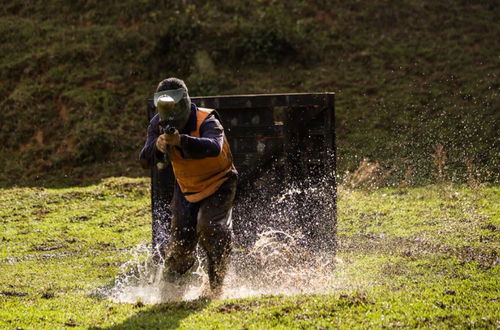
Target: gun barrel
{"x":169,"y":129}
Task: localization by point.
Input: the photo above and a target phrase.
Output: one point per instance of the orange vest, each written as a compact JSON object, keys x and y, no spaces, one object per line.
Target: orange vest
{"x":200,"y":178}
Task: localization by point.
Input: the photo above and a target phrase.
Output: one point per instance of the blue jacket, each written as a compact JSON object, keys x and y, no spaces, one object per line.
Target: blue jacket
{"x":209,"y":144}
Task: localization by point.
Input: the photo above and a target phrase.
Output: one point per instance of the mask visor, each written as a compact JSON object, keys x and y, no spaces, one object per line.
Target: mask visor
{"x":175,"y":94}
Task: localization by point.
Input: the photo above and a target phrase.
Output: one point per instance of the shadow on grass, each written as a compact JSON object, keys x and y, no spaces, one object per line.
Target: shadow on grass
{"x":163,"y":316}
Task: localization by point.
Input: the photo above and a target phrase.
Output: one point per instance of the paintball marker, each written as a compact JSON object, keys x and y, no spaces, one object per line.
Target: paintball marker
{"x":165,"y":106}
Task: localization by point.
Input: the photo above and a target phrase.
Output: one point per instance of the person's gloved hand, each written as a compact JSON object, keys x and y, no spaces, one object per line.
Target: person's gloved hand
{"x":168,"y":139}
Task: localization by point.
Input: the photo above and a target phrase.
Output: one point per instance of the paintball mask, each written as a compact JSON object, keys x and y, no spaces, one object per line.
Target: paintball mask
{"x":174,"y":107}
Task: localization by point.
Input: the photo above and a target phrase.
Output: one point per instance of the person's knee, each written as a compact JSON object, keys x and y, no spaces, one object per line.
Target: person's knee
{"x":214,"y":233}
{"x":212,"y":220}
{"x":180,"y":248}
{"x":183,"y":235}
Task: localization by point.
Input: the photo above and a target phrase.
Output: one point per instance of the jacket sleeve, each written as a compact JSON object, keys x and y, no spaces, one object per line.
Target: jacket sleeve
{"x":209,"y":144}
{"x":149,"y":154}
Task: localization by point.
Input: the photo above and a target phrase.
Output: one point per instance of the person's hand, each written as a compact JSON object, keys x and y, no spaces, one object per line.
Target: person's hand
{"x":168,"y":139}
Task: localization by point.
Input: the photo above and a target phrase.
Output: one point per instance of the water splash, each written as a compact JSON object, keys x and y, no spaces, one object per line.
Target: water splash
{"x":279,"y":263}
{"x":276,"y":264}
{"x":285,"y":244}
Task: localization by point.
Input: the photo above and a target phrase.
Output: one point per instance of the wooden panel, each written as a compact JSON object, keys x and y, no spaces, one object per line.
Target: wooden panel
{"x":296,"y":129}
{"x":252,"y":101}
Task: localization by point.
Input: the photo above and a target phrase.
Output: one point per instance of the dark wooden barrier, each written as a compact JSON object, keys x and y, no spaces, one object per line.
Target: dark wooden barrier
{"x":292,"y":132}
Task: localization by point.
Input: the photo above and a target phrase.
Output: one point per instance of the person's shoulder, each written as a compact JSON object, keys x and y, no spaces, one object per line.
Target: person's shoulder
{"x":211,"y":113}
{"x":212,"y":117}
{"x":211,"y":122}
{"x":205,"y":110}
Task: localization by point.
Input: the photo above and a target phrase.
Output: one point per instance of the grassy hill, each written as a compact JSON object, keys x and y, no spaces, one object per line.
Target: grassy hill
{"x":413,"y":79}
{"x":408,"y":257}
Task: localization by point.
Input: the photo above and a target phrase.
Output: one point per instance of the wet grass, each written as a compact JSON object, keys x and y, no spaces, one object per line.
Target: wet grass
{"x":409,"y":257}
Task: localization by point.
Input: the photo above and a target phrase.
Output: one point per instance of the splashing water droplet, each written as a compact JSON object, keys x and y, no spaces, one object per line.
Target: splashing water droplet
{"x":279,"y":250}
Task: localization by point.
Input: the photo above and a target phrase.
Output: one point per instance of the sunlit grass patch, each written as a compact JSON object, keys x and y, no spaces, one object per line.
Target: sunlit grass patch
{"x":408,"y":257}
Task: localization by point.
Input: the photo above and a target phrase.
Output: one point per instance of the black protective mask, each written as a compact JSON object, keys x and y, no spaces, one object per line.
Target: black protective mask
{"x":174,"y":107}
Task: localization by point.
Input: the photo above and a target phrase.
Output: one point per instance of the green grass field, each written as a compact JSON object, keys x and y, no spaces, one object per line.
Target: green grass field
{"x":409,"y":257}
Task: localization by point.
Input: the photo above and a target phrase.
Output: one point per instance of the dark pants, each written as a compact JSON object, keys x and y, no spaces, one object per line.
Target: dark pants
{"x":207,"y":222}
